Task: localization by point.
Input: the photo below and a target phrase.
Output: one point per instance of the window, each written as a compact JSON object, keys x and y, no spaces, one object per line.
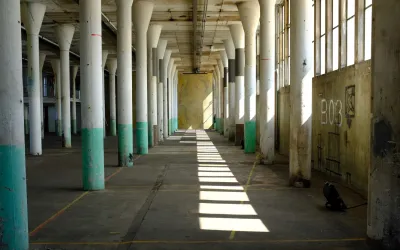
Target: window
{"x":323,"y":38}
{"x":351,"y":10}
{"x":335,"y":34}
{"x":282,"y":44}
{"x":368,"y":30}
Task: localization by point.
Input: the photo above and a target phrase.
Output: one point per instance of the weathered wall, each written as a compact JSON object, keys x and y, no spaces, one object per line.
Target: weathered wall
{"x":195,"y":101}
{"x":283,"y":120}
{"x":342,"y":124}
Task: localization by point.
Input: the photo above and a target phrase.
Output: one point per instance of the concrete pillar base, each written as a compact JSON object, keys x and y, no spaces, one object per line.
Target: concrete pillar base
{"x":299,"y":181}
{"x":239,"y":134}
{"x":232,"y":133}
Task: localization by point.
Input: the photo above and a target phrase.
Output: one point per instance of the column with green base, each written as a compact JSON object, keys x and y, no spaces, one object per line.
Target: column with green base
{"x":91,"y":103}
{"x":124,"y":86}
{"x":250,"y":15}
{"x":13,"y":197}
{"x":142,"y":15}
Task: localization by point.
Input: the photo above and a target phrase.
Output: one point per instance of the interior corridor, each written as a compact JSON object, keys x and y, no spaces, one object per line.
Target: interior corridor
{"x":194,"y":191}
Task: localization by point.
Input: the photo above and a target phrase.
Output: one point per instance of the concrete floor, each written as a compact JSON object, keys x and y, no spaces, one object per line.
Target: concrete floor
{"x":155,"y":204}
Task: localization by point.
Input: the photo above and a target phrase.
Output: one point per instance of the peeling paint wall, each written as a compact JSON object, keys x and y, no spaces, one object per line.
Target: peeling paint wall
{"x":195,"y":101}
{"x":342,"y":124}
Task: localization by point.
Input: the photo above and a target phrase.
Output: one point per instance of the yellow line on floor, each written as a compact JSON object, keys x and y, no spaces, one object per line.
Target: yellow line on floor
{"x":232,"y":235}
{"x":32,"y":233}
{"x":54,"y":216}
{"x":201,"y":241}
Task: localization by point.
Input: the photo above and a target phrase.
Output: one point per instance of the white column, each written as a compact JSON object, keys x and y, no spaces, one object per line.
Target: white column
{"x":224,"y":60}
{"x":170,"y":101}
{"x":153,"y":35}
{"x":13,"y":198}
{"x":142,"y":15}
{"x":42,"y":58}
{"x":55,"y":64}
{"x":301,"y":54}
{"x":237,"y":34}
{"x":230,"y":51}
{"x":32,"y":17}
{"x":221,"y":95}
{"x":75,"y":69}
{"x":112,"y":69}
{"x":64,"y":34}
{"x":124,"y":86}
{"x":104,"y":56}
{"x":162,"y":45}
{"x":168,"y":66}
{"x":91,"y":88}
{"x":267,"y":79}
{"x":217,"y":98}
{"x":250,"y":15}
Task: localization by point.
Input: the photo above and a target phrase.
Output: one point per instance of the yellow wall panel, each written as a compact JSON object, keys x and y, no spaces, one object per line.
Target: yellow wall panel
{"x":195,"y":101}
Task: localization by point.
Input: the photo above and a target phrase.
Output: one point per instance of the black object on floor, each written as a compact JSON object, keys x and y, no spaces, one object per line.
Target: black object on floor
{"x":334,"y":201}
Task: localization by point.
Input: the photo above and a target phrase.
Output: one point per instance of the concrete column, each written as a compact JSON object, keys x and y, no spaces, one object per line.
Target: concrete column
{"x":170,"y":102}
{"x":221,"y":96}
{"x":174,"y":108}
{"x":124,"y":85}
{"x":75,"y":69}
{"x":64,"y":34}
{"x":13,"y":197}
{"x":112,"y":69}
{"x":91,"y":88}
{"x":32,"y":17}
{"x":230,"y":51}
{"x":214,"y":100}
{"x":104,"y":56}
{"x":267,"y":79}
{"x":153,"y":35}
{"x":383,"y":217}
{"x":250,"y":15}
{"x":175,"y":113}
{"x":42,"y":58}
{"x":162,"y":45}
{"x":237,"y":34}
{"x":55,"y":64}
{"x":224,"y":60}
{"x":142,"y":15}
{"x":168,"y":66}
{"x":301,"y":54}
{"x":217,"y":98}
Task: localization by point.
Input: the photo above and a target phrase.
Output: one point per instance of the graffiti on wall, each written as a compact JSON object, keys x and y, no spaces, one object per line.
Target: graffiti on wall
{"x":350,"y":102}
{"x":331,"y":112}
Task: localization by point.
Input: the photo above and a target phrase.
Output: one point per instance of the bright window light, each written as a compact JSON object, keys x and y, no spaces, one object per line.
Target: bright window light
{"x":218,"y":179}
{"x":231,"y":209}
{"x":232,"y":224}
{"x":223,"y":196}
{"x":212,"y":165}
{"x":211,"y":160}
{"x":214,"y":169}
{"x":215,"y":174}
{"x":221,"y":187}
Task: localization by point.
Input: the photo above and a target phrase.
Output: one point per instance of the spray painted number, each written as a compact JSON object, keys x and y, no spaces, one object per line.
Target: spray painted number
{"x":331,"y":112}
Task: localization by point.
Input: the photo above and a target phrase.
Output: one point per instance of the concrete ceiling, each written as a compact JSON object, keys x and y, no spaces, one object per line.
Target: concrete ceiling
{"x":176,"y":18}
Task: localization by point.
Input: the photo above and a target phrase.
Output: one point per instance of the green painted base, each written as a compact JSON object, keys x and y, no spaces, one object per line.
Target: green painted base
{"x":73,"y":126}
{"x":250,"y":137}
{"x":169,"y":127}
{"x":151,"y":135}
{"x":58,"y":127}
{"x":125,"y":145}
{"x":13,"y":201}
{"x":142,"y":140}
{"x":113,"y":128}
{"x":221,"y":128}
{"x":93,"y":158}
{"x":217,"y":124}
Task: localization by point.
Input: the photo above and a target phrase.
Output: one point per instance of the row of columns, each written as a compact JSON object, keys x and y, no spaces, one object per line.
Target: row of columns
{"x":235,"y":84}
{"x":93,"y":59}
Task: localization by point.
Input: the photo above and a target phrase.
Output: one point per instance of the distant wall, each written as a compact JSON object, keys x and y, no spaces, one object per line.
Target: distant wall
{"x":342,"y":124}
{"x":195,"y":101}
